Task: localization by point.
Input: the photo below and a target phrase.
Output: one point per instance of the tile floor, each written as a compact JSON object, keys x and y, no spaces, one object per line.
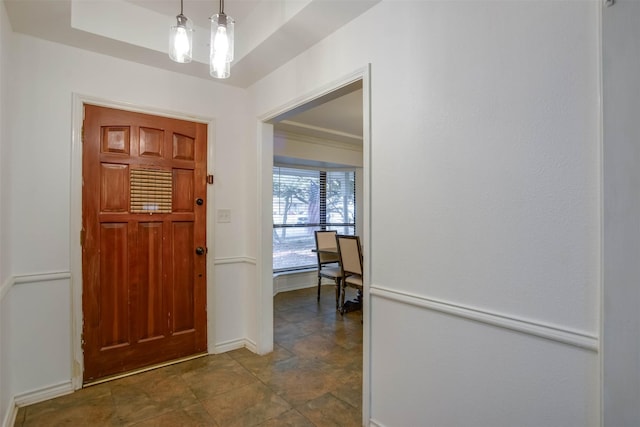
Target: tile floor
{"x":313,"y":378}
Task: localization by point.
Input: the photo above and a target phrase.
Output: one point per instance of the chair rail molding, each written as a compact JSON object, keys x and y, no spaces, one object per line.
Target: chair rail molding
{"x":41,"y":277}
{"x":19,"y":279}
{"x":6,"y":286}
{"x":555,"y":333}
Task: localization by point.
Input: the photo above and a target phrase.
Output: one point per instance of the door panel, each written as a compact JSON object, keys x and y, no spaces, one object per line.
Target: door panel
{"x":150,"y":298}
{"x":183,"y":147}
{"x":115,"y":140}
{"x":114,"y":284}
{"x":183,"y":190}
{"x":183,"y":267}
{"x":144,"y":286}
{"x":151,"y":142}
{"x":114,"y":189}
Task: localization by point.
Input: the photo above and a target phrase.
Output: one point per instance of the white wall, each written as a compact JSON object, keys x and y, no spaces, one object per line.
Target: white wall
{"x":44,"y":76}
{"x":5,"y":386}
{"x":40,"y":341}
{"x":621,"y":323}
{"x":5,"y":164}
{"x":489,"y":132}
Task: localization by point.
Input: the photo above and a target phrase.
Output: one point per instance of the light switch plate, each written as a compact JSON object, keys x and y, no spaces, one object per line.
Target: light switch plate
{"x":224,"y":215}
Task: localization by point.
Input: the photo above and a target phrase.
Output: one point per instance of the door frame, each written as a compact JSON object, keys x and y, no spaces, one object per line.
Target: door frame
{"x":264,"y":238}
{"x":75,"y":218}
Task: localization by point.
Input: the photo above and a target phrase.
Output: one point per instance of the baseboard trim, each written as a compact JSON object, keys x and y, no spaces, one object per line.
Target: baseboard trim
{"x":294,"y":280}
{"x":554,"y":333}
{"x":236,"y":344}
{"x":374,"y":423}
{"x":251,"y":346}
{"x":288,"y":288}
{"x":12,"y":413}
{"x":235,"y":260}
{"x":44,"y":393}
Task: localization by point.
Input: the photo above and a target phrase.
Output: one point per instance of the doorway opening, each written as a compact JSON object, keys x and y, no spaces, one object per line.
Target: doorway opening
{"x":273,"y":128}
{"x":76,"y":214}
{"x":317,"y":180}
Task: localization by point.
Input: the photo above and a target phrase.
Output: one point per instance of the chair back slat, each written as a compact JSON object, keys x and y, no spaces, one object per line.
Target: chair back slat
{"x":350,"y":254}
{"x":326,"y":240}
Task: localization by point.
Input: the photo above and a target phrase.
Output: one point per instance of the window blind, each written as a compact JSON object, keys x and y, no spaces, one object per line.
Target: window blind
{"x":305,"y":200}
{"x":150,"y":191}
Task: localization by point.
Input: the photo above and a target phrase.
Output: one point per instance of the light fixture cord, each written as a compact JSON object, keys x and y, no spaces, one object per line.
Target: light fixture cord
{"x":222,"y":7}
{"x":180,"y":7}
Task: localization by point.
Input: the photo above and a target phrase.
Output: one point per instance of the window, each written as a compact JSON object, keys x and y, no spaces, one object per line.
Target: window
{"x":305,"y":200}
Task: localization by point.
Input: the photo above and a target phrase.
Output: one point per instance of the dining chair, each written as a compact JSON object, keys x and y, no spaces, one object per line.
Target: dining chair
{"x":328,"y":260}
{"x":350,"y":255}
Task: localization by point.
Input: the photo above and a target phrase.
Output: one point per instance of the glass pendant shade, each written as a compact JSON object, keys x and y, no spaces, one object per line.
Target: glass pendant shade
{"x":220,"y":70}
{"x":221,"y":45}
{"x":181,"y":40}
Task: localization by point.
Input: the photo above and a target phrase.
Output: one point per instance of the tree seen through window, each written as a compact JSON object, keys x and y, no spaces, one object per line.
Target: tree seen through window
{"x":305,"y":200}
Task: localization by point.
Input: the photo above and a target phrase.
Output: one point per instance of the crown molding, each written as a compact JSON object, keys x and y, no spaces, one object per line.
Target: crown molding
{"x":322,"y":130}
{"x":307,"y":139}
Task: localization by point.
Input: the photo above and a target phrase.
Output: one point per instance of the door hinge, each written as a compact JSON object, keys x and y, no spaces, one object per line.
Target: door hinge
{"x":82,"y":237}
{"x":82,"y":134}
{"x":209,"y":179}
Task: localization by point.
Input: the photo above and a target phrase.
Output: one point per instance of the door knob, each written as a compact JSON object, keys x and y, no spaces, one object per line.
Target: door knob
{"x":200,"y":250}
{"x":199,"y":202}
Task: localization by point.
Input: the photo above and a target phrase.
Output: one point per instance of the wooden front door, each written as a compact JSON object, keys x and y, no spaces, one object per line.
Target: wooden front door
{"x":143,"y":242}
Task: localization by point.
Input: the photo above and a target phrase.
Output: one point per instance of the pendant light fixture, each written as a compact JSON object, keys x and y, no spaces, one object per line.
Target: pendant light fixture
{"x":181,"y":39}
{"x":221,"y":45}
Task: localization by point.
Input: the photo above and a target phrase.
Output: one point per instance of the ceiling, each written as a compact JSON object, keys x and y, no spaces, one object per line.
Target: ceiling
{"x":337,"y":117}
{"x":199,"y":11}
{"x":268,"y":33}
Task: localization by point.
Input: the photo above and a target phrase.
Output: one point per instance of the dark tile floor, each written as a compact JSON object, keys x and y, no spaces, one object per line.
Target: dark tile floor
{"x":312,"y":378}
